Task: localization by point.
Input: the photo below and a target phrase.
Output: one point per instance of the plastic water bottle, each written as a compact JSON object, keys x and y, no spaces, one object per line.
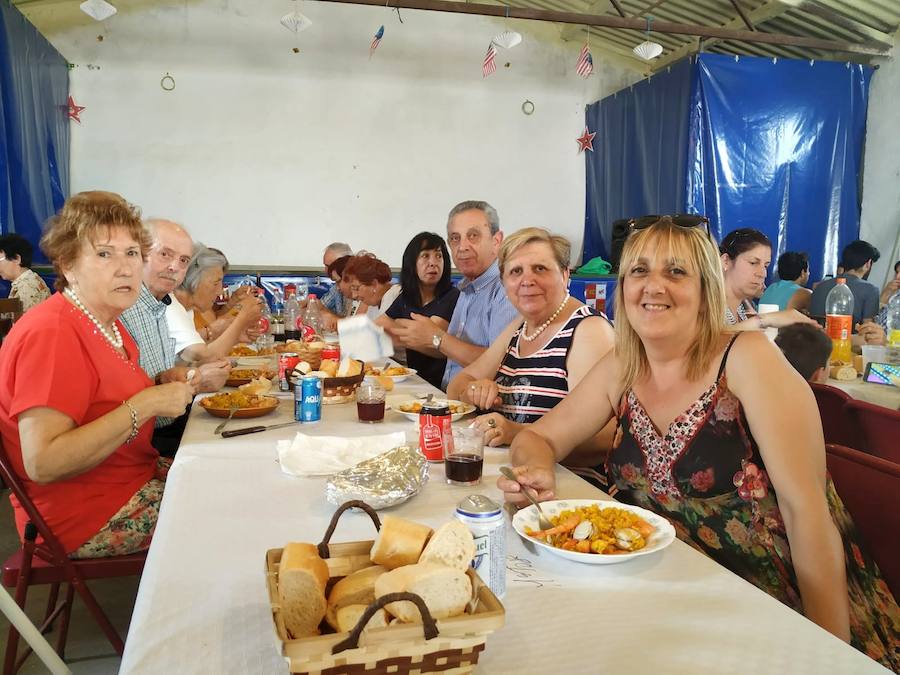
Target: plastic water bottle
{"x":839,"y":321}
{"x":312,"y":320}
{"x":893,"y":320}
{"x":292,"y":315}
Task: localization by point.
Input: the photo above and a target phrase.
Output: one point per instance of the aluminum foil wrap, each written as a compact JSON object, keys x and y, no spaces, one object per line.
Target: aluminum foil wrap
{"x":385,"y":480}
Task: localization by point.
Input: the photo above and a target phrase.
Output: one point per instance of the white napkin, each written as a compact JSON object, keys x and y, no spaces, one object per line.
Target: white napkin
{"x":362,"y":339}
{"x":326,"y":455}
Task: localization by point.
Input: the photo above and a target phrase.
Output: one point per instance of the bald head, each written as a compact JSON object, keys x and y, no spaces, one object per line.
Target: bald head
{"x":169,"y":256}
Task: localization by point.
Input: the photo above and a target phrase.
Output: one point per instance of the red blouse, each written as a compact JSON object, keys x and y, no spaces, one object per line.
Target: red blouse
{"x":55,"y":357}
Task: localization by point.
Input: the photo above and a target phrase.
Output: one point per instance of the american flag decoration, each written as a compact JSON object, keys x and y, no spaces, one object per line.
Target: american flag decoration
{"x":585,"y":65}
{"x":489,"y":67}
{"x":376,"y":41}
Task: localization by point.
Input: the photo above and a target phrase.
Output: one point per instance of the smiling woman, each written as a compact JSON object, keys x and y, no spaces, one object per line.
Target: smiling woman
{"x":76,"y":410}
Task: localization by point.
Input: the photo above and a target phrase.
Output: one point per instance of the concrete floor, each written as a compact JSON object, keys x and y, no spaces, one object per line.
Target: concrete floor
{"x":88,"y":652}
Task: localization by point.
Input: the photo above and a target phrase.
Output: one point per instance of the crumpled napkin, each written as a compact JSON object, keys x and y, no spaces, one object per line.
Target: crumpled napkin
{"x":326,"y":455}
{"x":362,"y":339}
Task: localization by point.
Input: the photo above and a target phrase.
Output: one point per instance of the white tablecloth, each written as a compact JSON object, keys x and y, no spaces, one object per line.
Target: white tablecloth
{"x":884,"y":395}
{"x":202,"y":606}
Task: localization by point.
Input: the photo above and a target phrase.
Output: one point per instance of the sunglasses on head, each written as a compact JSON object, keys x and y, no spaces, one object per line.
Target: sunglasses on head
{"x":681,"y":219}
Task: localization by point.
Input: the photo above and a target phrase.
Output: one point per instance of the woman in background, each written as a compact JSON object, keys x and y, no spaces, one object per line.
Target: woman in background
{"x":15,"y":266}
{"x":426,"y":290}
{"x":370,"y":283}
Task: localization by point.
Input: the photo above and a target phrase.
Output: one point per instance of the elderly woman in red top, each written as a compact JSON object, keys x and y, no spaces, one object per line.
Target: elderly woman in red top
{"x":76,"y":410}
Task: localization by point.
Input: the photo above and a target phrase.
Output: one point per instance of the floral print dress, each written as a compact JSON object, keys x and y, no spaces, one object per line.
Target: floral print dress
{"x":705,"y":474}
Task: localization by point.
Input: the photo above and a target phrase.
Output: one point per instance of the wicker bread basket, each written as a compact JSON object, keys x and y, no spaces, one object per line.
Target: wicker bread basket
{"x":448,"y":645}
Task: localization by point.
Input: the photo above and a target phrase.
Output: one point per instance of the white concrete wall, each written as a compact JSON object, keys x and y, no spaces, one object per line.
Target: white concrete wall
{"x":880,"y":224}
{"x":270,"y":155}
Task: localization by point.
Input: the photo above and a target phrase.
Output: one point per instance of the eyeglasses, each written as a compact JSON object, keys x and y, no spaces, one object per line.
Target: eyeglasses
{"x":685,"y":220}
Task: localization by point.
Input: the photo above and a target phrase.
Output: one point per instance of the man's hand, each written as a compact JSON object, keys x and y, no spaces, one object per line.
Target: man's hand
{"x":870,"y":333}
{"x":212,"y":375}
{"x":416,"y":332}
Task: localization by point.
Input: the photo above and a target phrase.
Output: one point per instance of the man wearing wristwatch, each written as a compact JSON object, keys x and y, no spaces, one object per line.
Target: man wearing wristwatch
{"x":483,"y":310}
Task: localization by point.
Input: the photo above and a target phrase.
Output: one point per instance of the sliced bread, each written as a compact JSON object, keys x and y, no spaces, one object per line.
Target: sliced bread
{"x":347,"y":617}
{"x":399,"y":542}
{"x":354,"y":589}
{"x":452,"y":545}
{"x":445,"y":590}
{"x":302,"y":576}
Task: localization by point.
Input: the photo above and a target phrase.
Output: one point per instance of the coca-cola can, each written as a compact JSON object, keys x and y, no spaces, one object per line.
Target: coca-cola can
{"x":331,"y":350}
{"x":434,"y":431}
{"x":287,"y":361}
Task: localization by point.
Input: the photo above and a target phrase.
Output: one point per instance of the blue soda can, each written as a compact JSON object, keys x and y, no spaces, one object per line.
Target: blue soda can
{"x":309,"y":407}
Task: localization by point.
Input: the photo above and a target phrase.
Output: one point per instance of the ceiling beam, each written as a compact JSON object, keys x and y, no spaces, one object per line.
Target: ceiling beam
{"x":741,"y":13}
{"x":618,"y":7}
{"x":830,"y":15}
{"x":529,"y":13}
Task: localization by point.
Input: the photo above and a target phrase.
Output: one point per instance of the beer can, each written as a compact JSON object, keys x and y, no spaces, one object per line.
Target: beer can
{"x":434,"y":430}
{"x":484,"y":518}
{"x":308,"y":408}
{"x":332,"y":350}
{"x":286,"y":363}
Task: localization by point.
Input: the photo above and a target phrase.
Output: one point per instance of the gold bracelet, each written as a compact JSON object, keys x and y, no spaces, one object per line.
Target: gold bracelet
{"x":134,"y":421}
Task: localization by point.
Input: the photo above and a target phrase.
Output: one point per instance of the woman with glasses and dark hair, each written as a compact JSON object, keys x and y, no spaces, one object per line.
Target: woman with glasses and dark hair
{"x":746,"y":254}
{"x":790,"y":291}
{"x":15,"y":266}
{"x":734,"y":460}
{"x":426,"y":290}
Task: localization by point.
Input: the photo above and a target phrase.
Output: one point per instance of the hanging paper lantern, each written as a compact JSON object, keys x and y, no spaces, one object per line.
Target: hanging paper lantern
{"x":97,"y":9}
{"x":648,"y":50}
{"x":507,"y":39}
{"x":296,"y":22}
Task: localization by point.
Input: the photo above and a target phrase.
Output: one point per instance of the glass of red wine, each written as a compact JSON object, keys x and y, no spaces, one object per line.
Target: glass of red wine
{"x":370,"y":402}
{"x":464,"y":460}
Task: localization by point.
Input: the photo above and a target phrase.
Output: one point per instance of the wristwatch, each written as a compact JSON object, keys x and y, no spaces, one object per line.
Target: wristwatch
{"x":436,"y":340}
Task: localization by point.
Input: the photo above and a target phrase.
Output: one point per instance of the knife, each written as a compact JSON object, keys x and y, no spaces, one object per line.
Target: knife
{"x":254,"y":430}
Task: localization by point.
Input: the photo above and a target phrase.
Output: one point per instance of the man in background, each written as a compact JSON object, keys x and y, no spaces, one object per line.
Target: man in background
{"x":857,"y":259}
{"x":334,"y":301}
{"x":483,"y":310}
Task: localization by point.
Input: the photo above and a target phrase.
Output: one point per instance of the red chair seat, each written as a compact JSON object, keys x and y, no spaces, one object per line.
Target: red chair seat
{"x":43,"y":572}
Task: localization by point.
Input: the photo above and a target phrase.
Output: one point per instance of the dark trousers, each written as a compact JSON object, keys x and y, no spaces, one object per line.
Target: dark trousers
{"x":167,"y":439}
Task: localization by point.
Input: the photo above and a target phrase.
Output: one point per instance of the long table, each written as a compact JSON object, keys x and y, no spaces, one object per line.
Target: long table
{"x":202,"y":605}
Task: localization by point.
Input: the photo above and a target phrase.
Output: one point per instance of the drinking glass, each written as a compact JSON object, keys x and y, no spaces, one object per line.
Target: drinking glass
{"x":464,"y":460}
{"x":370,"y":402}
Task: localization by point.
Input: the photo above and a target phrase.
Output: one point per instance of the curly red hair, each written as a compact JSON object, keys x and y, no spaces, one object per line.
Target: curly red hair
{"x":368,"y":269}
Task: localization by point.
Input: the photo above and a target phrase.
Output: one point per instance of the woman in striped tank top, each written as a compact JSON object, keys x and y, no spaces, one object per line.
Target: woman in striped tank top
{"x":543,"y":354}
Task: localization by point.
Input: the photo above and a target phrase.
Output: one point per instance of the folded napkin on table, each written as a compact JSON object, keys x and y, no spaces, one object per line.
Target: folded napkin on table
{"x":325,"y":455}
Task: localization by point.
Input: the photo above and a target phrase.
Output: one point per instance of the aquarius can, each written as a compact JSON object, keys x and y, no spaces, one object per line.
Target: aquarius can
{"x":309,"y":407}
{"x":484,"y":518}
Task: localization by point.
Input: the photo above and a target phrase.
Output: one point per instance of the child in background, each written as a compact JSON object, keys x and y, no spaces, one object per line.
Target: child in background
{"x":807,"y":348}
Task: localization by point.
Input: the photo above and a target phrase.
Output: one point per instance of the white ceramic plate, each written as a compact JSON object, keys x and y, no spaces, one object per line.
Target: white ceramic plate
{"x":468,"y":408}
{"x":528,"y":517}
{"x":396,"y":378}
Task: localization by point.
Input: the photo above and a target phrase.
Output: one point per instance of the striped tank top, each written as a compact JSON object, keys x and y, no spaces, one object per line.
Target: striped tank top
{"x":530,"y":386}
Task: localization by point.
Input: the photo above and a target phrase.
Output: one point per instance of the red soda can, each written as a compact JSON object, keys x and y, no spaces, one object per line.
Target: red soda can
{"x":287,"y":361}
{"x":332,"y":350}
{"x":434,"y":431}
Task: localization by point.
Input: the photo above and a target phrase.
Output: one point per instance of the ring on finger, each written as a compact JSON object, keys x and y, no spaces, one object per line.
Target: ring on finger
{"x":492,"y":423}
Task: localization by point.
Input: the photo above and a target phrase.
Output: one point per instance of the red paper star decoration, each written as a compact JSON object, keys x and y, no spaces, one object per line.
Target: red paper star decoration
{"x":586,"y":141}
{"x":74,"y":111}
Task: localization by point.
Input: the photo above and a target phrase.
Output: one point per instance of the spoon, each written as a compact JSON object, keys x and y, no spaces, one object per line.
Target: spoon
{"x":543,"y":521}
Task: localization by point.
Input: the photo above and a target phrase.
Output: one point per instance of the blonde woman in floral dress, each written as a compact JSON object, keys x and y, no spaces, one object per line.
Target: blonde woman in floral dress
{"x":720,"y":435}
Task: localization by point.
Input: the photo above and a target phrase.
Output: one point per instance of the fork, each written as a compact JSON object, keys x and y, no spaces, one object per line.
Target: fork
{"x":543,"y":521}
{"x":222,"y":425}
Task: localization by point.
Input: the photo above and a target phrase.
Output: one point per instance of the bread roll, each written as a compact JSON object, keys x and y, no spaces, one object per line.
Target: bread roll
{"x":451,"y":545}
{"x":445,"y":590}
{"x":354,"y":589}
{"x":348,"y":617}
{"x":329,"y":366}
{"x":386,"y":382}
{"x":349,"y":367}
{"x":843,"y":372}
{"x":302,"y":576}
{"x":400,"y":542}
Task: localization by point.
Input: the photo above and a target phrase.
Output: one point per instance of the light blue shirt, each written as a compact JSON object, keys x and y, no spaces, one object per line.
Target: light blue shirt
{"x":481,"y":314}
{"x":779,"y":293}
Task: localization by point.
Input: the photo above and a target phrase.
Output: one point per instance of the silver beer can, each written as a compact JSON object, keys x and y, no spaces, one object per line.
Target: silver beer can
{"x":484,"y":518}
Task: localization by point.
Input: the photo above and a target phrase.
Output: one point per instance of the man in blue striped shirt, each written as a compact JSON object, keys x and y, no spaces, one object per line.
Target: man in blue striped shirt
{"x":483,"y":310}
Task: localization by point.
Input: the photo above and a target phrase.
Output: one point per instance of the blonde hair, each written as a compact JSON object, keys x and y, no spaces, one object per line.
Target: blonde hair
{"x":694,"y":248}
{"x":562,"y":249}
{"x":87,"y":216}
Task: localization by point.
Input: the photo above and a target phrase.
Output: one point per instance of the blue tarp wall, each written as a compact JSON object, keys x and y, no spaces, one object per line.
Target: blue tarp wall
{"x":34,"y":128}
{"x":749,"y":142}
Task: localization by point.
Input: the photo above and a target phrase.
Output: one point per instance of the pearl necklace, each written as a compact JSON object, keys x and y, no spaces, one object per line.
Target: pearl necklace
{"x":543,"y":326}
{"x":114,"y":338}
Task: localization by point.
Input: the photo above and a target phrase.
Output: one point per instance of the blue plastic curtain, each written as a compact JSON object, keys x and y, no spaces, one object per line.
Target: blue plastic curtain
{"x":774,"y":145}
{"x":34,"y":128}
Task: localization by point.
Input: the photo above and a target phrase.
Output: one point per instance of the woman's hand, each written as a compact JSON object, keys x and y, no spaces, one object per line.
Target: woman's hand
{"x":483,"y":394}
{"x":164,"y":400}
{"x":870,"y":333}
{"x":497,"y":429}
{"x":541,"y":481}
{"x":251,"y":310}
